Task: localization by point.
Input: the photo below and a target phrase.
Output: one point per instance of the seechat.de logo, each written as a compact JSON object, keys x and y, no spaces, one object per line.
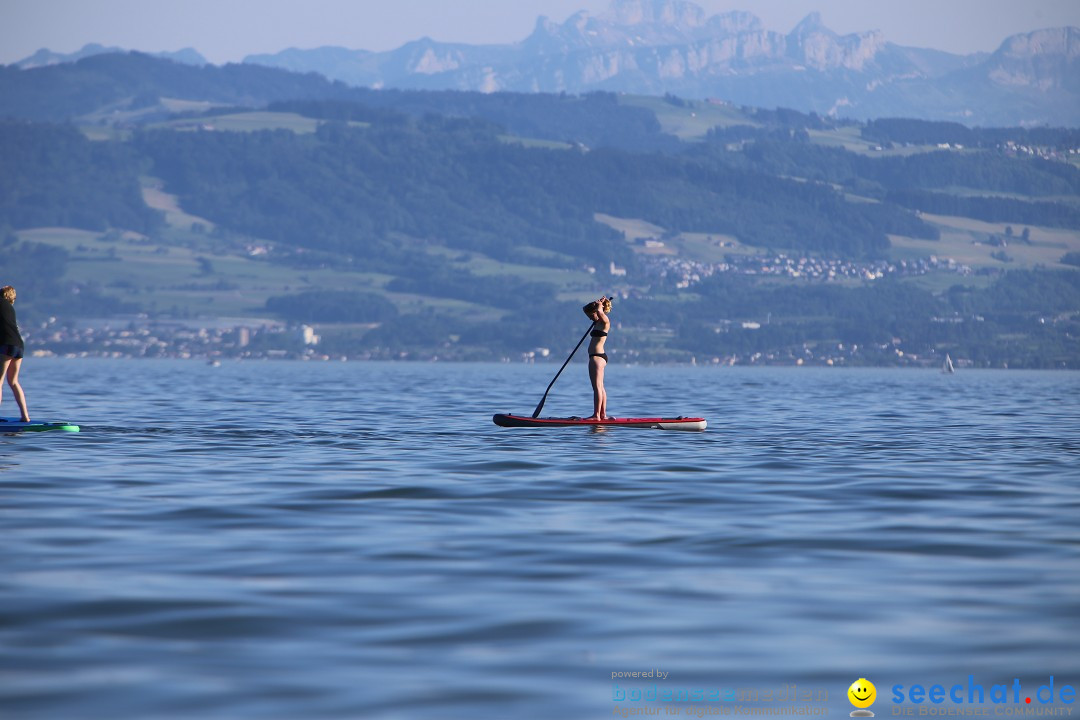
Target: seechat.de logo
{"x":862,"y":694}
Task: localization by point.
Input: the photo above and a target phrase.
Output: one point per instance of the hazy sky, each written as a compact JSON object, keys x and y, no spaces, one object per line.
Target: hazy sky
{"x":227,"y":30}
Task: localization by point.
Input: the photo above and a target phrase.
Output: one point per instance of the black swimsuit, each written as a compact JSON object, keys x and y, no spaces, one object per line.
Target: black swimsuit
{"x":598,"y":334}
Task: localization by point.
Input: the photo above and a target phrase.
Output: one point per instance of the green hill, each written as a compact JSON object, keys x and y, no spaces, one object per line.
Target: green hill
{"x":732,"y":234}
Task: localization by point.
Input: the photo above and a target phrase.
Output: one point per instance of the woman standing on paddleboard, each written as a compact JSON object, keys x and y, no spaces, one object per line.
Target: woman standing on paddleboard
{"x":598,"y":360}
{"x":11,"y":349}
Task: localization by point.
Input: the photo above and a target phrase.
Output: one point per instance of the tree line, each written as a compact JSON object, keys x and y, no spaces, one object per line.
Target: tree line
{"x":38,"y":273}
{"x":979,"y":170}
{"x":990,"y":209}
{"x":453,"y":181}
{"x":53,"y":176}
{"x":933,"y":132}
{"x":136,"y":81}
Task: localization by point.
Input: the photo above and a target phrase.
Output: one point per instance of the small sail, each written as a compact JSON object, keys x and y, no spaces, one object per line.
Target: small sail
{"x":948,"y":366}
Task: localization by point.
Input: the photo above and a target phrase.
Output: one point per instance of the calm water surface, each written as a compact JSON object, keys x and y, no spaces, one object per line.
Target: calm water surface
{"x":294,"y":540}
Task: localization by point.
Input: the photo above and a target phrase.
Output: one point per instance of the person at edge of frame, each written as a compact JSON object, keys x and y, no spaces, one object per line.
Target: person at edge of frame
{"x":11,"y":350}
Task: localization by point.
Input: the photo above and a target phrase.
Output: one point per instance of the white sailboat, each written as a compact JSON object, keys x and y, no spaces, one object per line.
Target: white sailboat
{"x":948,"y":366}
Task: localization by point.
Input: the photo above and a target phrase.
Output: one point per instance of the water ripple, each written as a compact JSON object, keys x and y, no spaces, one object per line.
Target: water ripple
{"x":205,"y":548}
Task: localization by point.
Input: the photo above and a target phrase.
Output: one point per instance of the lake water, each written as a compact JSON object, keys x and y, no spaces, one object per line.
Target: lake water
{"x":358,"y":540}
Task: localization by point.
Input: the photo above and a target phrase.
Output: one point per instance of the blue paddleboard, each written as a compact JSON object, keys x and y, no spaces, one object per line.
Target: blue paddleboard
{"x":8,"y":425}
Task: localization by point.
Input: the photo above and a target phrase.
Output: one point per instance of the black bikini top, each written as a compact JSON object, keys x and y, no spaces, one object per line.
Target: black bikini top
{"x":598,"y":333}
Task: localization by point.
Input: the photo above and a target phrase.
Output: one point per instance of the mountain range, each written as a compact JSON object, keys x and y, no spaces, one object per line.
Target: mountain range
{"x":45,"y":57}
{"x":656,"y":47}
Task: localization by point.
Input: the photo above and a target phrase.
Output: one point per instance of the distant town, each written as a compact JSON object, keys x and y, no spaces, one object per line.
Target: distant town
{"x":215,"y":339}
{"x":142,"y":337}
{"x":688,"y":273}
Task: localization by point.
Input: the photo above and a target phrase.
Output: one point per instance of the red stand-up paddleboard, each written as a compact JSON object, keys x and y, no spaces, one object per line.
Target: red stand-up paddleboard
{"x":675,"y":423}
{"x":655,"y":423}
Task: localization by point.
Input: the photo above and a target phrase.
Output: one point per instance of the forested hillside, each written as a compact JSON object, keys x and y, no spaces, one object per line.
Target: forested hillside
{"x":421,"y":223}
{"x":133,"y":87}
{"x":911,"y":181}
{"x":349,"y":189}
{"x":927,"y":132}
{"x":53,"y":175}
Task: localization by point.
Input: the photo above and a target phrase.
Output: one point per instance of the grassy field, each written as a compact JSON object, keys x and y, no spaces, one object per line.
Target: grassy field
{"x":104,"y":132}
{"x":965,"y":240}
{"x":161,"y":277}
{"x":535,"y":143}
{"x":850,"y":138}
{"x":121,"y":113}
{"x":961,"y":191}
{"x":247,"y":122}
{"x":696,"y":117}
{"x":175,"y":105}
{"x":701,"y":247}
{"x":92,"y":126}
{"x":155,"y":196}
{"x":191,"y":273}
{"x":632,"y":229}
{"x":484,"y":266}
{"x":847,"y":138}
{"x":264,"y":120}
{"x":962,"y":239}
{"x":188,"y":269}
{"x":692,"y":121}
{"x":712,"y":247}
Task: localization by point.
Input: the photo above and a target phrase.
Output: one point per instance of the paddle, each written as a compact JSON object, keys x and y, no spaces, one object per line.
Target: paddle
{"x":536,"y":412}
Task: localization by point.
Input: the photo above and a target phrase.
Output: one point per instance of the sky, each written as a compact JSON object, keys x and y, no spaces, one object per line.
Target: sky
{"x":228,"y":30}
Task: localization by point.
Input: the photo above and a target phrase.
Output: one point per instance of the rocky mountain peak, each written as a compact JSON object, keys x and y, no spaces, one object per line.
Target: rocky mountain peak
{"x":816,"y":46}
{"x":811,"y":24}
{"x":1063,"y":42}
{"x":1043,"y":59}
{"x":672,"y":46}
{"x":734,"y":23}
{"x":678,"y":13}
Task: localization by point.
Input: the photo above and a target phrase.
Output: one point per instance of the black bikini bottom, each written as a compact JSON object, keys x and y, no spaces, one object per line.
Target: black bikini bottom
{"x":599,"y":355}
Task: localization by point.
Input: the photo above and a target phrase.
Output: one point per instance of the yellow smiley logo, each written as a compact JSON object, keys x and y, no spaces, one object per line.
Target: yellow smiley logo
{"x":862,"y":693}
